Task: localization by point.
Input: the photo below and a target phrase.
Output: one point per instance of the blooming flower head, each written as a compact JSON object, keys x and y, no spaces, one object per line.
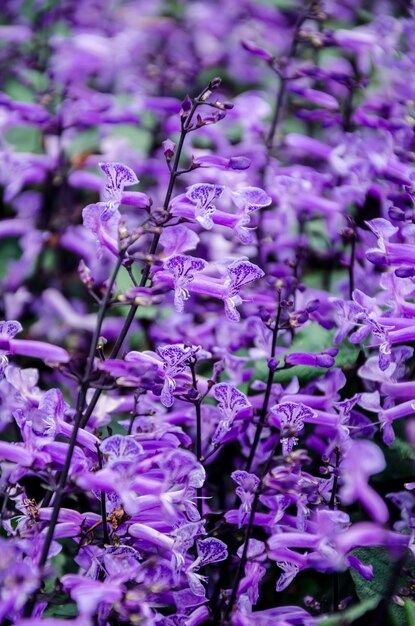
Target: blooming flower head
{"x":239,"y":273}
{"x":231,"y":402}
{"x":183,"y":269}
{"x":118,"y":176}
{"x":175,"y":359}
{"x":247,"y":486}
{"x":9,"y":330}
{"x":289,"y":417}
{"x":203,"y":195}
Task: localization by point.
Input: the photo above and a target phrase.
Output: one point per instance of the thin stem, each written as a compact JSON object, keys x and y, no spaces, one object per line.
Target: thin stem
{"x":267,"y":396}
{"x":103,"y":504}
{"x":280,"y":101}
{"x":77,"y":420}
{"x":332,"y":506}
{"x":351,"y":265}
{"x":81,"y":418}
{"x":278,"y":111}
{"x":133,"y":413}
{"x":198,"y":409}
{"x":248,"y":534}
{"x":282,"y":88}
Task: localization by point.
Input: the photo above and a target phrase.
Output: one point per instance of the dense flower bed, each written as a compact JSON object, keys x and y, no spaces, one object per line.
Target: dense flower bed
{"x":207,"y":277}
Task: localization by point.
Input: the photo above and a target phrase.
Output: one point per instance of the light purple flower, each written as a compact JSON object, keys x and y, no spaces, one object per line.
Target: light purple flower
{"x":203,"y":196}
{"x":175,"y":361}
{"x":118,"y":177}
{"x":363,"y":459}
{"x":239,"y":273}
{"x":231,"y":403}
{"x":247,"y":486}
{"x":183,"y":269}
{"x":289,"y":417}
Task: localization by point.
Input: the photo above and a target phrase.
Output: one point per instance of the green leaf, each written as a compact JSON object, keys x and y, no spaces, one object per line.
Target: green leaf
{"x":399,"y":458}
{"x":139,"y":138}
{"x":312,"y":339}
{"x":18,"y":91}
{"x":351,"y":614}
{"x":69,"y":609}
{"x":84,"y":141}
{"x":382,"y":564}
{"x":39,"y":80}
{"x":410,"y":612}
{"x":10,"y":251}
{"x":25,"y":138}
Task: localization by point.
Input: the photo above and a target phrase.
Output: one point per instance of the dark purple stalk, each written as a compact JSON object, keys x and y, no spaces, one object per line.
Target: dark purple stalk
{"x":81,"y":419}
{"x":282,"y":88}
{"x":280,"y":104}
{"x":332,"y":506}
{"x":270,"y":381}
{"x":197,"y":404}
{"x":351,"y":264}
{"x":78,"y":415}
{"x":248,"y":535}
{"x":103,"y":504}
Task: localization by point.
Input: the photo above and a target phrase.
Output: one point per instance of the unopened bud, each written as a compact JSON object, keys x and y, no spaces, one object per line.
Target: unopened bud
{"x":168,"y":148}
{"x":102,"y":341}
{"x":273,"y":364}
{"x":215,"y":83}
{"x":186,"y":107}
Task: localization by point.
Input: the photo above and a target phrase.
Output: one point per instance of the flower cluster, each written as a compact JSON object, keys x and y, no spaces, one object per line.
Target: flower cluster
{"x":207,"y":412}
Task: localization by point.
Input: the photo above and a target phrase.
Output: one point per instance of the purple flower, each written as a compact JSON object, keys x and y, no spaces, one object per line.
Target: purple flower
{"x":324,"y":359}
{"x":175,"y":360}
{"x":289,"y":417}
{"x":239,"y":273}
{"x":222,"y":163}
{"x":251,"y":199}
{"x":257,"y":51}
{"x":209,"y":551}
{"x":178,"y":239}
{"x":247,"y":486}
{"x":363,"y":459}
{"x":203,"y":195}
{"x":121,"y":451}
{"x":183,"y":269}
{"x":26,"y":347}
{"x":102,"y":220}
{"x":232,"y":403}
{"x":89,"y":594}
{"x":118,"y":177}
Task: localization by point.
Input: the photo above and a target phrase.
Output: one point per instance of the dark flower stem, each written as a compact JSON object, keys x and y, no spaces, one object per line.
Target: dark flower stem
{"x":248,"y":534}
{"x":103,"y":504}
{"x":332,"y":506}
{"x":279,"y":108}
{"x":78,"y":415}
{"x":267,"y":396}
{"x":351,"y":264}
{"x":81,"y":418}
{"x":282,"y":88}
{"x":198,"y":408}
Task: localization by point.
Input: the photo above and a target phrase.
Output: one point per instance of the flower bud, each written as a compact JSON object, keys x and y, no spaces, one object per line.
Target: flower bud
{"x":168,"y":148}
{"x":215,"y":83}
{"x":273,"y":364}
{"x":186,"y":107}
{"x":239,"y":163}
{"x":404,"y":272}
